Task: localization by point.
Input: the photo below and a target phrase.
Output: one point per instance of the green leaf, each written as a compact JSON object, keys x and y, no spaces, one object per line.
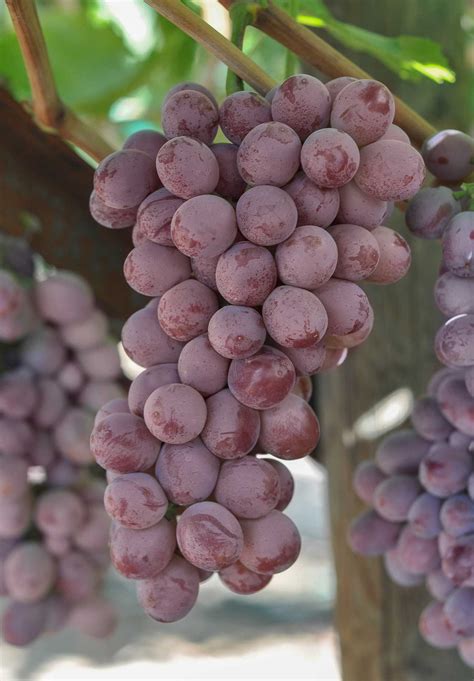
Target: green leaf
{"x":408,"y":56}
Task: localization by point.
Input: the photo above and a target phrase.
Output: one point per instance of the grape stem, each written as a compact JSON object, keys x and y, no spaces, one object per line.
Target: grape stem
{"x":49,"y":110}
{"x":192,"y":24}
{"x":310,"y":48}
{"x":241,"y":17}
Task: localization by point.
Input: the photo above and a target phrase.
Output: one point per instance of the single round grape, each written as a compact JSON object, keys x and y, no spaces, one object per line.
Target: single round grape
{"x":113,"y":218}
{"x":63,"y":473}
{"x":52,"y":403}
{"x":187,"y":472}
{"x":240,"y":580}
{"x":171,"y":595}
{"x":439,"y":585}
{"x":248,"y":487}
{"x":363,"y":109}
{"x":271,"y":543}
{"x":390,"y":170}
{"x":458,"y":245}
{"x":428,"y":421}
{"x":394,"y":497}
{"x":124,"y":178}
{"x":357,"y":208}
{"x":269,"y":154}
{"x":454,"y":342}
{"x":22,"y":623}
{"x":204,"y":270}
{"x":189,"y":85}
{"x":138,"y":236}
{"x":187,"y":167}
{"x":395,"y":256}
{"x":231,"y":429}
{"x":70,"y":377}
{"x":101,"y":363}
{"x":302,"y":102}
{"x":204,"y":226}
{"x":94,"y":533}
{"x":456,"y":404}
{"x":147,"y":141}
{"x":266,"y":215}
{"x":396,"y":571}
{"x":123,"y":443}
{"x":346,"y":304}
{"x":146,"y":343}
{"x":155,"y":214}
{"x":435,"y":628}
{"x":43,"y":351}
{"x":78,"y":577}
{"x":330,"y":158}
{"x":15,"y":517}
{"x":72,"y":433}
{"x":43,"y":451}
{"x":315,"y":205}
{"x":209,"y":536}
{"x":135,"y":500}
{"x":351,"y":340}
{"x":151,"y":269}
{"x":230,"y":185}
{"x":458,"y":559}
{"x":394,"y":132}
{"x":236,"y":332}
{"x":401,"y":453}
{"x":448,"y":155}
{"x":335,"y":85}
{"x":466,"y":651}
{"x":175,"y":413}
{"x":87,"y":333}
{"x":146,"y":382}
{"x":444,"y":471}
{"x":201,"y":367}
{"x":96,"y":393}
{"x":460,"y":440}
{"x":142,"y":554}
{"x":290,"y":430}
{"x":454,"y":295}
{"x":185,"y":310}
{"x":438,"y":377}
{"x":13,"y":477}
{"x":430,"y":211}
{"x":445,"y":544}
{"x":358,"y":252}
{"x":459,"y":612}
{"x":308,"y":258}
{"x":29,"y":572}
{"x":59,"y":512}
{"x":417,"y":555}
{"x":190,"y":113}
{"x":246,"y":274}
{"x":457,"y":515}
{"x":287,"y":484}
{"x":307,"y":361}
{"x":241,"y":112}
{"x":423,"y":516}
{"x":18,"y":394}
{"x":64,"y":298}
{"x":16,"y":437}
{"x":367,"y":477}
{"x":95,"y":617}
{"x":294,"y":317}
{"x":116,"y":406}
{"x":263,"y":380}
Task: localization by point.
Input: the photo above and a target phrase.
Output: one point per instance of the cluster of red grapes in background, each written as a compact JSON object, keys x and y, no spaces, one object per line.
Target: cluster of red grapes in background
{"x":251,"y":252}
{"x":421,"y":485}
{"x":58,"y":366}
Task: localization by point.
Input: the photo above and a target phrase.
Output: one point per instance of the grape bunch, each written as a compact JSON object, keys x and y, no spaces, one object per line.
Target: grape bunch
{"x":251,"y":252}
{"x":421,"y":484}
{"x":56,"y":371}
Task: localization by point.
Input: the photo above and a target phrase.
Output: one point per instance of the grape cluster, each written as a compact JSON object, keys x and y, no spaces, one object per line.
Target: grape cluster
{"x":250,"y":252}
{"x":421,"y":485}
{"x":53,"y":526}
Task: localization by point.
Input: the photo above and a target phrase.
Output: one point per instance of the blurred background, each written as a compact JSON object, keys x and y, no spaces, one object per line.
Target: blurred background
{"x":113,"y":61}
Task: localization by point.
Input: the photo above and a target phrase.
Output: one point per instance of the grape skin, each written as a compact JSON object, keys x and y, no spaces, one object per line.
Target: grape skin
{"x":394,"y":497}
{"x":308,"y":258}
{"x":330,"y":158}
{"x":240,"y":580}
{"x":236,"y":332}
{"x":59,"y":513}
{"x":155,"y":214}
{"x":269,"y":154}
{"x":423,"y":516}
{"x":78,"y":577}
{"x":185,"y":310}
{"x":302,"y":102}
{"x":367,"y":477}
{"x":395,"y":256}
{"x":294,"y":317}
{"x":428,"y":421}
{"x":335,"y":85}
{"x":394,"y":132}
{"x":204,"y":270}
{"x":390,"y":170}
{"x":142,"y":554}
{"x":397,"y":572}
{"x":190,"y":113}
{"x":123,"y":179}
{"x":114,"y":406}
{"x":187,"y":167}
{"x":290,"y":430}
{"x":232,"y":429}
{"x":112,"y":218}
{"x":358,"y":252}
{"x":246,"y":274}
{"x":43,"y":352}
{"x":435,"y":628}
{"x":448,"y":155}
{"x":87,"y":333}
{"x":454,"y":295}
{"x":95,"y":617}
{"x":15,"y":517}
{"x":357,"y":208}
{"x":439,"y":585}
{"x":147,"y":381}
{"x":458,"y":558}
{"x":175,"y":413}
{"x":135,"y":500}
{"x":248,"y":487}
{"x":122,"y":442}
{"x":430,"y":211}
{"x":458,"y":245}
{"x":230,"y":185}
{"x":307,"y":361}
{"x":315,"y":205}
{"x":13,"y":477}
{"x":466,"y":651}
{"x":22,"y":623}
{"x":146,"y":343}
{"x":459,"y":611}
{"x":241,"y":112}
{"x":190,"y":85}
{"x":266,"y":215}
{"x":444,"y":471}
{"x":457,"y":515}
{"x":401,"y":453}
{"x":170,"y":595}
{"x":209,"y":536}
{"x":417,"y":555}
{"x":204,"y":226}
{"x":187,"y":472}
{"x":271,"y":543}
{"x":201,"y":367}
{"x":151,"y":269}
{"x":456,"y":404}
{"x":148,"y":141}
{"x":346,"y":304}
{"x":95,"y":393}
{"x":29,"y":572}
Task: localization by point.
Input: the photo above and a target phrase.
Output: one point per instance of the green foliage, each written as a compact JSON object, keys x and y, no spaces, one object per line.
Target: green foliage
{"x":408,"y":56}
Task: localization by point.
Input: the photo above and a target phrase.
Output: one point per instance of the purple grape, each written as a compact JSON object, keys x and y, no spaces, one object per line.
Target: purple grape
{"x":266,"y":215}
{"x":302,"y":102}
{"x":241,"y":112}
{"x":364,"y":109}
{"x":367,"y":477}
{"x":230,"y":185}
{"x":146,"y":343}
{"x":417,"y":555}
{"x":135,"y":500}
{"x":397,"y":572}
{"x":395,"y":256}
{"x":394,"y":497}
{"x":456,"y":404}
{"x":151,"y":269}
{"x":246,"y":274}
{"x":269,"y":154}
{"x":142,"y":554}
{"x":287,"y":484}
{"x":236,"y":332}
{"x":428,"y":421}
{"x":390,"y":170}
{"x":231,"y":429}
{"x":435,"y":627}
{"x":187,"y":167}
{"x":240,"y":580}
{"x":335,"y":85}
{"x":315,"y":205}
{"x":458,"y":245}
{"x":123,"y":443}
{"x":290,"y":430}
{"x":170,"y":595}
{"x":248,"y":487}
{"x":155,"y":214}
{"x":190,"y":113}
{"x":401,"y":453}
{"x":308,"y":258}
{"x":29,"y":572}
{"x":124,"y":178}
{"x":358,"y":252}
{"x":439,"y":585}
{"x":444,"y":471}
{"x":459,"y":612}
{"x":357,"y":208}
{"x":330,"y":158}
{"x":448,"y":155}
{"x":423,"y":516}
{"x":457,"y":515}
{"x":185,"y":310}
{"x":113,"y":218}
{"x":430,"y":211}
{"x":294,"y":317}
{"x":271,"y":544}
{"x":148,"y":141}
{"x":454,"y":295}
